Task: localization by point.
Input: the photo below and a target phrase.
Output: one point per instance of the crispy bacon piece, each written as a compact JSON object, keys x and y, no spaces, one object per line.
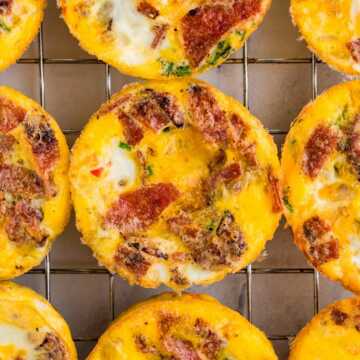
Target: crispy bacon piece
{"x":20,"y":181}
{"x":338,"y":316}
{"x":354,"y":48}
{"x":135,"y":211}
{"x":143,"y":346}
{"x":6,"y":145}
{"x":5,"y":6}
{"x":43,"y":141}
{"x":133,"y":260}
{"x":318,"y":148}
{"x":212,"y":343}
{"x":322,"y":245}
{"x":207,"y":115}
{"x":148,"y":10}
{"x":132,"y":131}
{"x":204,"y":26}
{"x":52,"y":348}
{"x":275,"y":190}
{"x":180,"y":349}
{"x":160,"y":33}
{"x":23,"y":224}
{"x":156,"y":110}
{"x":11,"y":115}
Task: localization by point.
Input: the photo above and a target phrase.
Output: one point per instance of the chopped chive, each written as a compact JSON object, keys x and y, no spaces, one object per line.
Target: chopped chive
{"x":124,"y":146}
{"x":222,"y":50}
{"x":4,"y":26}
{"x":149,"y":170}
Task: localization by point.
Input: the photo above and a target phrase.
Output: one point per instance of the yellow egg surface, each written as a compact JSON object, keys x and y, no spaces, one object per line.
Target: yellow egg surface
{"x":332,"y":334}
{"x":34,"y":185}
{"x":30,"y":328}
{"x":321,"y":173}
{"x":191,"y":327}
{"x":331,"y":29}
{"x":19,"y":23}
{"x":175,"y":183}
{"x":160,"y":39}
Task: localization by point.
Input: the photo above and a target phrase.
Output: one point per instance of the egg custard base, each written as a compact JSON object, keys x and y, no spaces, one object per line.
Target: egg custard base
{"x":182,"y":327}
{"x":156,"y":39}
{"x":34,"y":185}
{"x":175,"y":183}
{"x":321,"y":189}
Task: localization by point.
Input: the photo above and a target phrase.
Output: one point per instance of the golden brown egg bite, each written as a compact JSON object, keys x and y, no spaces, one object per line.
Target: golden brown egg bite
{"x":187,"y":327}
{"x":321,"y":174}
{"x":333,"y":334}
{"x":168,"y":181}
{"x":19,"y":23}
{"x":34,"y":186}
{"x":331,"y":29}
{"x":30,"y":328}
{"x":157,"y":39}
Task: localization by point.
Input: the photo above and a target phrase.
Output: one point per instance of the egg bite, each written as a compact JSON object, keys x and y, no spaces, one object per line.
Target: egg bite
{"x":182,"y":327}
{"x":34,"y":185}
{"x":19,"y":23}
{"x":168,"y":180}
{"x":30,"y":328}
{"x":332,"y":31}
{"x":332,"y":334}
{"x":157,"y":39}
{"x":321,"y":189}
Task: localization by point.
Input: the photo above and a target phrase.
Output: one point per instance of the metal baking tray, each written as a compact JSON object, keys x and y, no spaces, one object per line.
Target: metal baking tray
{"x":275,"y":76}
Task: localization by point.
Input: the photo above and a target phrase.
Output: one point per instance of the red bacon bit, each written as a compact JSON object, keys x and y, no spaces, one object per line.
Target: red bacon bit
{"x":230,"y":173}
{"x":180,"y":349}
{"x":5,"y":6}
{"x":318,"y":148}
{"x":23,"y":224}
{"x":239,"y":129}
{"x":338,"y":316}
{"x":159,"y":32}
{"x":204,"y":26}
{"x":11,"y":115}
{"x":275,"y":190}
{"x":137,"y":210}
{"x":353,"y":150}
{"x":132,"y":131}
{"x":354,"y":48}
{"x":53,"y":348}
{"x":167,"y":103}
{"x":97,"y":172}
{"x":133,"y":260}
{"x":6,"y":144}
{"x":20,"y":181}
{"x":43,"y":141}
{"x":143,"y":346}
{"x":148,"y":10}
{"x":207,"y":115}
{"x":323,"y":247}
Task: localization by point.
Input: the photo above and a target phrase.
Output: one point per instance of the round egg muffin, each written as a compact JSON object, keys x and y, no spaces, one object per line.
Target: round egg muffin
{"x":34,"y":186}
{"x":332,"y":334}
{"x":195,"y":327}
{"x":168,"y":181}
{"x":19,"y":23}
{"x":321,"y":188}
{"x":332,"y":30}
{"x":163,"y":38}
{"x":30,"y":328}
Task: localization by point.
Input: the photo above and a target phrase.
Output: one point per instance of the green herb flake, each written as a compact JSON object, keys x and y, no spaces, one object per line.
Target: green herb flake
{"x":172,"y":69}
{"x":4,"y":27}
{"x":211,"y":226}
{"x":149,"y":170}
{"x":342,"y":119}
{"x":222,"y":51}
{"x":124,"y":146}
{"x":286,"y":200}
{"x":241,"y":34}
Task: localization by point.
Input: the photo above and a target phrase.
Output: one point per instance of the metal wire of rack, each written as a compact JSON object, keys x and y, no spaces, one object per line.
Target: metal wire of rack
{"x":48,"y":270}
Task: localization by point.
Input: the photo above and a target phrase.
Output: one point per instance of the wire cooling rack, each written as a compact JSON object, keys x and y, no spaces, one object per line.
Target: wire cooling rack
{"x":48,"y":270}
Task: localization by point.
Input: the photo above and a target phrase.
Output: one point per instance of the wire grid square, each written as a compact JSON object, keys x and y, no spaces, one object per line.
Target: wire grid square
{"x":45,"y":67}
